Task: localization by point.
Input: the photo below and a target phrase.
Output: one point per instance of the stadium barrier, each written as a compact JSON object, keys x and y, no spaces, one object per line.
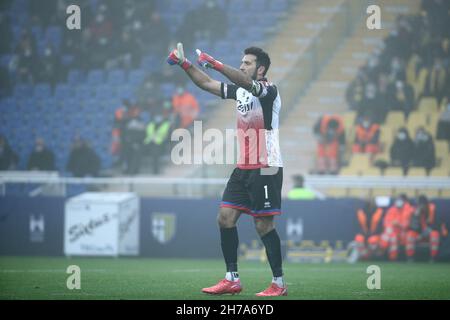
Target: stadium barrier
{"x":174,"y":227}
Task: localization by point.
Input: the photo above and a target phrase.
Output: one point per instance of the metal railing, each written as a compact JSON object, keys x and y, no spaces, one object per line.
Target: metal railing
{"x":50,"y":183}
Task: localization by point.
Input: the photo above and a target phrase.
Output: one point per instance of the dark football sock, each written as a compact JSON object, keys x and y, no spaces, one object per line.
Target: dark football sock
{"x":229,"y":242}
{"x":273,"y":250}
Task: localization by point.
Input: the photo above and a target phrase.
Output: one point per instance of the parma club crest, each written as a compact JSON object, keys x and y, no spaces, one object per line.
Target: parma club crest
{"x":163,"y":226}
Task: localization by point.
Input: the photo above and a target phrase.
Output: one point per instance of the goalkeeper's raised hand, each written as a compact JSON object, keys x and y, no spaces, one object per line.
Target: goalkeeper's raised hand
{"x":206,"y":61}
{"x":177,"y":57}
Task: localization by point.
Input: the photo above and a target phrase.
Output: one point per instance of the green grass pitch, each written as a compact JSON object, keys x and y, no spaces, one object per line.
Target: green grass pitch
{"x":129,"y":278}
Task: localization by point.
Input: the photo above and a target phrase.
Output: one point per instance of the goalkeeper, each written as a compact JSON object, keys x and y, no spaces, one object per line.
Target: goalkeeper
{"x":254,"y":187}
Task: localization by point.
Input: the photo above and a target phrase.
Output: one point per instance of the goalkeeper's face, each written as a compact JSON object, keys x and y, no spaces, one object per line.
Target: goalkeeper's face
{"x":249,"y":66}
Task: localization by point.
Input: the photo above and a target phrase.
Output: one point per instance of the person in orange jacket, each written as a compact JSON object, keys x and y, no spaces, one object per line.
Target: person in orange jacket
{"x":370,"y":220}
{"x":422,"y":227}
{"x":394,"y":235}
{"x":331,"y":137}
{"x":186,"y":106}
{"x":367,"y":137}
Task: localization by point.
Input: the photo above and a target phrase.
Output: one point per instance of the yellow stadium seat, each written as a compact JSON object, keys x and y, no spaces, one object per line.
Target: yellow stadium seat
{"x":349,"y":119}
{"x":419,"y":84}
{"x":337,"y":192}
{"x":371,"y":171}
{"x":386,"y":135}
{"x":360,"y":161}
{"x":428,"y":105}
{"x":385,"y":192}
{"x":440,"y":172}
{"x":395,"y":119}
{"x":411,"y":193}
{"x":417,"y":172}
{"x":349,"y":171}
{"x":441,"y":147}
{"x":358,"y":192}
{"x":415,"y":120}
{"x":392,"y":171}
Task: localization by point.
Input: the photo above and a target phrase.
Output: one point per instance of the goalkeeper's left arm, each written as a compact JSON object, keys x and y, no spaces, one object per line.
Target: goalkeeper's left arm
{"x":200,"y":78}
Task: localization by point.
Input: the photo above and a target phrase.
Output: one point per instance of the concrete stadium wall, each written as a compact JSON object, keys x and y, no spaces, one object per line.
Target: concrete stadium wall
{"x":180,"y":227}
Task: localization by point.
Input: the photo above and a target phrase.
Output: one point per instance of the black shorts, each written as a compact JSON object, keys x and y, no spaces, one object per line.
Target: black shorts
{"x":253,"y":193}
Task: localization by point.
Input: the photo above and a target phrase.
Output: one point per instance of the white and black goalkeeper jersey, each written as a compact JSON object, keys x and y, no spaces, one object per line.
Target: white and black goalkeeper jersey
{"x":257,"y":113}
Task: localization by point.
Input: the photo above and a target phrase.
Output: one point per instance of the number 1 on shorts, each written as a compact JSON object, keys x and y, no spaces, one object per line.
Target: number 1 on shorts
{"x":265,"y":192}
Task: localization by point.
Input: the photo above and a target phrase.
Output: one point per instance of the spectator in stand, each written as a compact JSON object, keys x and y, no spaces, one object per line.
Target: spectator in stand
{"x":402,"y":150}
{"x":329,"y":130}
{"x":436,"y":81}
{"x":101,"y":36}
{"x":157,"y":138}
{"x":300,"y":192}
{"x":401,"y":97}
{"x":186,"y":105}
{"x":5,"y":34}
{"x":367,"y":137}
{"x":156,"y":32}
{"x":83,"y":161}
{"x":8,"y":158}
{"x":26,"y":58}
{"x":422,"y":227}
{"x":42,"y":158}
{"x":424,"y":150}
{"x":213,"y":23}
{"x":133,"y":136}
{"x":49,"y":68}
{"x":120,"y":119}
{"x":355,"y":91}
{"x":370,"y":103}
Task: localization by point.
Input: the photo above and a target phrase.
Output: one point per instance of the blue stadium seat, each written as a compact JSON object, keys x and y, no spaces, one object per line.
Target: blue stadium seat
{"x":136,"y":77}
{"x":63,"y":91}
{"x":95,"y":77}
{"x":83,"y":91}
{"x":53,"y":35}
{"x":23,"y":90}
{"x":74,"y":77}
{"x":42,"y":91}
{"x":116,"y":77}
{"x":104,"y":92}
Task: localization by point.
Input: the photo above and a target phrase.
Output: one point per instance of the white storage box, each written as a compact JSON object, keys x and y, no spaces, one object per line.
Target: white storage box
{"x":102,"y":224}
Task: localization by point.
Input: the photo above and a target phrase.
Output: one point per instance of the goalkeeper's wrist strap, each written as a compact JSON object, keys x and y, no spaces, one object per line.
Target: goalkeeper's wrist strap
{"x":186,"y":64}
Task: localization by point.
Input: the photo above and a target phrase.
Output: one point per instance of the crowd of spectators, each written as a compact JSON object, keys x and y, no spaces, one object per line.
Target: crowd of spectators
{"x":386,"y":83}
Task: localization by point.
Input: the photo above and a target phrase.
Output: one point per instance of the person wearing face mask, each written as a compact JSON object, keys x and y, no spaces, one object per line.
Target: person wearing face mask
{"x":370,"y":106}
{"x":329,"y":130}
{"x":422,"y":227}
{"x":401,"y":97}
{"x":424,"y":150}
{"x":367,"y":137}
{"x":402,"y":150}
{"x":41,"y":158}
{"x":436,"y":81}
{"x":393,"y":233}
{"x":186,"y":105}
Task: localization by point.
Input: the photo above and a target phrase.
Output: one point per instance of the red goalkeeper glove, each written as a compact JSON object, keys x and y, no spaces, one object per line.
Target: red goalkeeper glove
{"x":206,"y":61}
{"x":177,"y":57}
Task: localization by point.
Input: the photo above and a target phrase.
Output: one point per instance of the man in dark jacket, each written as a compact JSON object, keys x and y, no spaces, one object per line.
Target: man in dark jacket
{"x":424,"y":151}
{"x":8,"y":158}
{"x":402,"y":150}
{"x":41,"y":158}
{"x":83,"y":161}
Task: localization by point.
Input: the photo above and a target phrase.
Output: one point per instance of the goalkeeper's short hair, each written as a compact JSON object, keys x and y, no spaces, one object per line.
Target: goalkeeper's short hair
{"x":262,"y":58}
